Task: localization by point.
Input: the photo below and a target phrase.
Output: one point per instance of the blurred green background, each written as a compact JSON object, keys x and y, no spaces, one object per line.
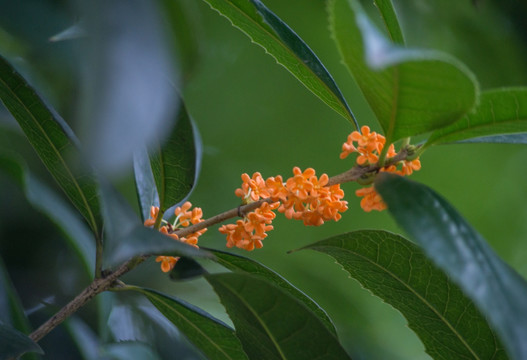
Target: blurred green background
{"x":254,"y":116}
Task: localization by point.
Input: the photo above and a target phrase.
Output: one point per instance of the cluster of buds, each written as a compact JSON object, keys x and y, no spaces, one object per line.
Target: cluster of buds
{"x":184,"y":217}
{"x":302,"y":197}
{"x":369,"y":145}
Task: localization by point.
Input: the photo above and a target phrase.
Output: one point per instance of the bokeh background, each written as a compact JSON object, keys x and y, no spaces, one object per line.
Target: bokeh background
{"x":254,"y":116}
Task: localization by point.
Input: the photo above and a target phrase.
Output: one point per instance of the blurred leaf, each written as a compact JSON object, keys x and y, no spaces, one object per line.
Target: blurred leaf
{"x":520,"y":138}
{"x":500,"y":111}
{"x":176,"y":164}
{"x":463,"y":254}
{"x":127,"y":350}
{"x":145,"y":185}
{"x":281,"y":42}
{"x":389,"y":17}
{"x":396,"y":270}
{"x":54,"y":142}
{"x":183,"y":17}
{"x":239,"y":263}
{"x":215,"y":339}
{"x":127,"y":237}
{"x":186,"y":268}
{"x":75,"y":31}
{"x":128,"y":99}
{"x":13,"y":343}
{"x":11,"y":309}
{"x":45,"y":200}
{"x":86,"y":340}
{"x":271,"y":323}
{"x":410,"y":91}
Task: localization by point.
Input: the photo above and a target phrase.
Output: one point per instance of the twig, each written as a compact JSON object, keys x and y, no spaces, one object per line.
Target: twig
{"x":97,"y":286}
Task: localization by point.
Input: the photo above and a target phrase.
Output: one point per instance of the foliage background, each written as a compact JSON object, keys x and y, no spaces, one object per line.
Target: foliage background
{"x":253,"y":116}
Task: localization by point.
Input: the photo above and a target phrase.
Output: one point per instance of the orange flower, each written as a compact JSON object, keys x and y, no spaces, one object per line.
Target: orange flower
{"x":371,"y":199}
{"x":184,"y":217}
{"x":154,"y":211}
{"x":167,"y":262}
{"x":252,"y":188}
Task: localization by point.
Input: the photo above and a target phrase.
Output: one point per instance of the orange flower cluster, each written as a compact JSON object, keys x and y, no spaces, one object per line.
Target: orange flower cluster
{"x":303,"y":197}
{"x":369,"y":146}
{"x":184,"y":217}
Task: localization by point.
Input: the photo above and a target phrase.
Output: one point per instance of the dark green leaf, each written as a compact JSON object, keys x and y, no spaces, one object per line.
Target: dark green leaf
{"x":87,"y":342}
{"x":187,"y":30}
{"x":45,"y":200}
{"x":497,"y":290}
{"x":54,"y":142}
{"x":128,"y":350}
{"x":281,"y":42}
{"x":127,"y":237}
{"x":145,"y":185}
{"x":186,"y":268}
{"x":239,"y":263}
{"x":390,"y":20}
{"x":215,"y":339}
{"x":128,"y":98}
{"x":410,"y":91}
{"x":13,"y":343}
{"x":520,"y":138}
{"x":176,"y":164}
{"x":272,"y":324}
{"x":501,"y":112}
{"x":11,"y":309}
{"x":397,"y":271}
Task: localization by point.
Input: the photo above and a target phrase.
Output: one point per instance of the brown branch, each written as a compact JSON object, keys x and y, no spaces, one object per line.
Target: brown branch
{"x":352,"y":174}
{"x":96,"y":287}
{"x":106,"y":282}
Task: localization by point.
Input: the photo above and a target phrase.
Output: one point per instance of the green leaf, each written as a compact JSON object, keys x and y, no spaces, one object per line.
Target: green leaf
{"x":126,"y":237}
{"x":500,"y":112}
{"x":145,"y":185}
{"x":410,"y":91}
{"x":456,"y":248}
{"x":281,"y":42}
{"x":390,"y":20}
{"x":183,"y":17}
{"x":176,"y":164}
{"x":235,"y":262}
{"x":11,"y":309}
{"x":271,"y":323}
{"x":88,"y":344}
{"x":186,"y":268}
{"x":47,"y":201}
{"x":128,"y":98}
{"x":53,"y":141}
{"x":520,"y":138}
{"x":215,"y":339}
{"x":126,"y":350}
{"x":13,"y":343}
{"x":397,"y":271}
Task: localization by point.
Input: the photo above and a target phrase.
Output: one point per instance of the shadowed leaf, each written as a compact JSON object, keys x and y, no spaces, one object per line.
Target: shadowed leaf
{"x":53,"y":141}
{"x":272,"y":324}
{"x":396,"y":270}
{"x":456,"y":248}
{"x":410,"y":91}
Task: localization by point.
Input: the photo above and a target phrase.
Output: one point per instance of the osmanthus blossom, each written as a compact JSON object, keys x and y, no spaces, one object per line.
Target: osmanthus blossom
{"x":303,"y":196}
{"x":369,"y":147}
{"x":184,"y":218}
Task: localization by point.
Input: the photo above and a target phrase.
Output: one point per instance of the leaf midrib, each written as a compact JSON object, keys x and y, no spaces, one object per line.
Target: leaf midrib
{"x":164,"y":302}
{"x":424,"y":301}
{"x":91,"y":220}
{"x":255,"y":314}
